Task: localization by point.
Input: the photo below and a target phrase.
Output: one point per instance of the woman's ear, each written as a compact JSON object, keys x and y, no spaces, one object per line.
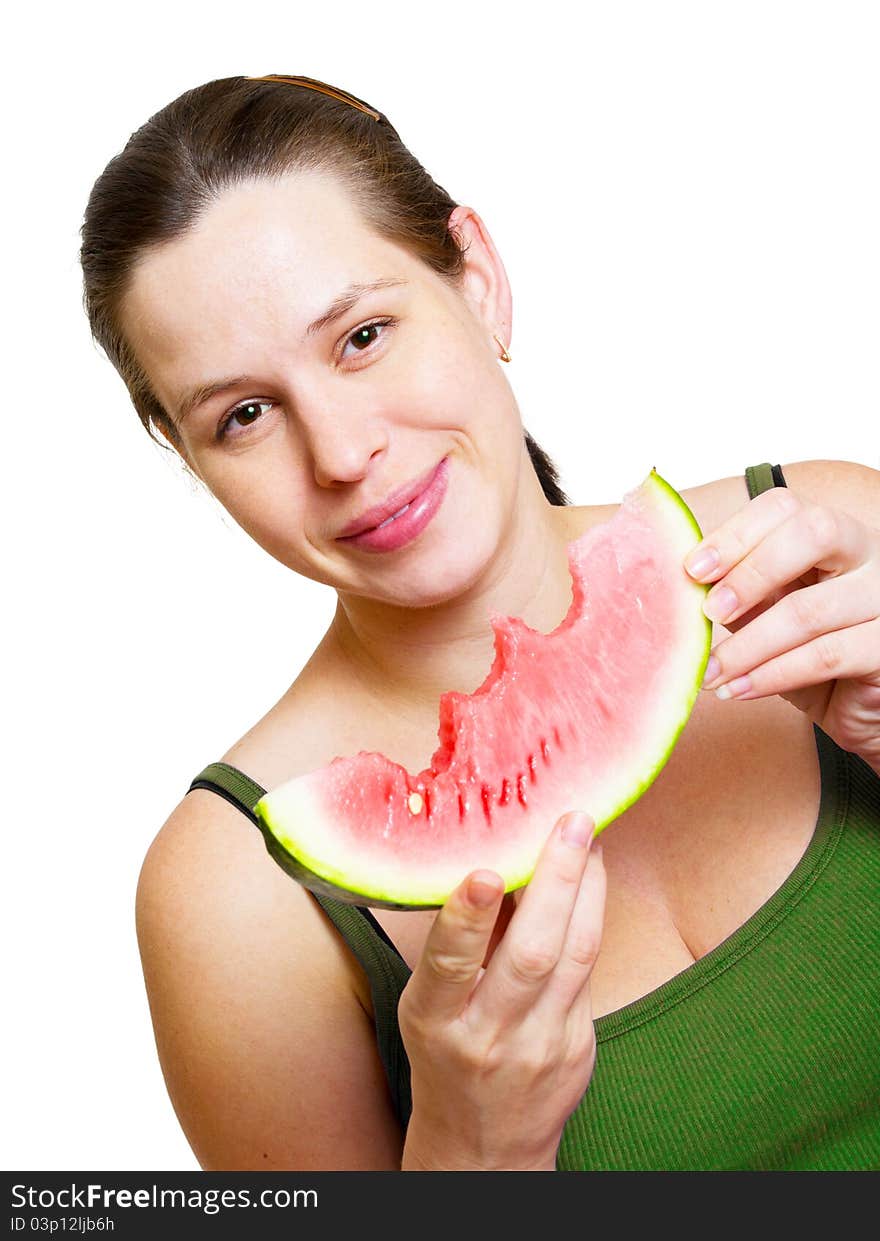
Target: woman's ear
{"x":485,"y":286}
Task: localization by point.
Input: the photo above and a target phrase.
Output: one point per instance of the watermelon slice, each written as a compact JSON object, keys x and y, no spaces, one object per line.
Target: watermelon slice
{"x":584,"y":717}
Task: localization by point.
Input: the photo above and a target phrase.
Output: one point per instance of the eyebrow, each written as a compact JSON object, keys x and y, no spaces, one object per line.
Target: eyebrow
{"x":340,"y":306}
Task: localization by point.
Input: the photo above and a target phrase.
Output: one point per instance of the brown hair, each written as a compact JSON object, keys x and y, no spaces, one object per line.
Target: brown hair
{"x":234,"y":130}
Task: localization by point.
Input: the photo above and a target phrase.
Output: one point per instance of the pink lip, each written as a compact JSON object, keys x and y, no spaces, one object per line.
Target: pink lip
{"x":373,"y":517}
{"x":423,"y":496}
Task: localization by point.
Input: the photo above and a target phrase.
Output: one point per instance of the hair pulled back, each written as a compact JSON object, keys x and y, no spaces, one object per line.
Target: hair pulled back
{"x":234,"y":130}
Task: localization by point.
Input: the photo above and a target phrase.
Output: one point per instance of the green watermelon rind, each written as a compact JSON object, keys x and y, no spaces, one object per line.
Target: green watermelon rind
{"x":694,"y":689}
{"x":321,"y":883}
{"x":329,"y":881}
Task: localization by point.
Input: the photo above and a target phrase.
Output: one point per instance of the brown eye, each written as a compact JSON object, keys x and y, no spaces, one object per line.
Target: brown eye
{"x":244,"y":416}
{"x":364,"y":338}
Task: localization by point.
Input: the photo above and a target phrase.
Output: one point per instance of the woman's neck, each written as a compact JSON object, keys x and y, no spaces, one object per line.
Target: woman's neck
{"x":403,"y":659}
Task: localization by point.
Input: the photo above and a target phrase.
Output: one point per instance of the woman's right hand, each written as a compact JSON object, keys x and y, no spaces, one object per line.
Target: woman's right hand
{"x":501,"y":1055}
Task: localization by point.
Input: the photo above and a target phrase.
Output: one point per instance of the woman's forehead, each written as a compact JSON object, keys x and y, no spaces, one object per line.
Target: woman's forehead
{"x":264,"y":249}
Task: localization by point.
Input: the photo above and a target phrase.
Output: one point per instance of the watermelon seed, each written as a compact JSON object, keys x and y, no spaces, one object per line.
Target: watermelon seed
{"x":505,"y":792}
{"x":520,"y":789}
{"x":545,"y":752}
{"x":533,"y":775}
{"x":487,"y":801}
{"x":415,"y":803}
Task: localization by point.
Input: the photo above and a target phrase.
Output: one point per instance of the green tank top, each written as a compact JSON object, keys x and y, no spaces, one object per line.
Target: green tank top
{"x":764,"y":1054}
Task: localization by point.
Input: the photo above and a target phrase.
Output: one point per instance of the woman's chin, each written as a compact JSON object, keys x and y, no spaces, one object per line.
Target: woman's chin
{"x":450,"y":557}
{"x":440,"y":577}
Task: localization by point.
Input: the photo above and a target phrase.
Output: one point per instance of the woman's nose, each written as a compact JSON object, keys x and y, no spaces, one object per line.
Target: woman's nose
{"x":341,"y":444}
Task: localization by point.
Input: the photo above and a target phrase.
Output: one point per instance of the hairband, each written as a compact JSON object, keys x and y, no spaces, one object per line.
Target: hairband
{"x":332,"y":91}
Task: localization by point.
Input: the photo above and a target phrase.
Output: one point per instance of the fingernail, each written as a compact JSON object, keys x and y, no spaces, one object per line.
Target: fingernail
{"x":482,"y":894}
{"x":577,"y":829}
{"x":701,"y":563}
{"x":740,"y":685}
{"x":720,"y":603}
{"x":713,"y":668}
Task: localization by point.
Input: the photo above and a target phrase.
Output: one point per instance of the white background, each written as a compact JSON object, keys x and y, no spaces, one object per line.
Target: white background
{"x":686,"y":197}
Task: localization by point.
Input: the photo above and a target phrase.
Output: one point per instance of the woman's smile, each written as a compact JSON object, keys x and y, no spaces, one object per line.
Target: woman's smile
{"x":373,"y":531}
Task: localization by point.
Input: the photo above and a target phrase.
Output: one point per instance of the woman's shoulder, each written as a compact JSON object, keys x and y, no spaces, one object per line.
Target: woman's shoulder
{"x":210,"y":856}
{"x":304,"y":729}
{"x":252,"y":994}
{"x":207,"y":871}
{"x":207,"y":874}
{"x":258,"y":1013}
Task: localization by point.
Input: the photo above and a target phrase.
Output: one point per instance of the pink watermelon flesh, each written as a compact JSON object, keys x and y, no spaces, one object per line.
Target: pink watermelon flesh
{"x":584,"y":717}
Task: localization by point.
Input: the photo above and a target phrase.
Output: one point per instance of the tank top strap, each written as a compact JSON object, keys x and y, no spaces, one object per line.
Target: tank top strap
{"x":232,"y":785}
{"x":386,"y":970}
{"x":762,"y":477}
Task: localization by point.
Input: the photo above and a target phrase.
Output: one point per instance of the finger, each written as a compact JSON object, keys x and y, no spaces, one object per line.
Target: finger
{"x":455,"y":948}
{"x":796,"y":619}
{"x":505,"y":913}
{"x":845,"y":653}
{"x":812,"y":538}
{"x":726,"y":546}
{"x":570,"y":979}
{"x":530,"y":949}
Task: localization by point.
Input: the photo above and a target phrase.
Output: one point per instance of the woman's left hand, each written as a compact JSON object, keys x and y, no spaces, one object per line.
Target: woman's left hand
{"x":798,"y":586}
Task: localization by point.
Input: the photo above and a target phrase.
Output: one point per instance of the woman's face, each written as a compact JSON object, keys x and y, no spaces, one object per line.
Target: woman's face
{"x":319,"y":420}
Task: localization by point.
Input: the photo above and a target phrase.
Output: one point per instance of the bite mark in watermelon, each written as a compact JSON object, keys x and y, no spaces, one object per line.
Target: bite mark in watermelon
{"x":584,"y":717}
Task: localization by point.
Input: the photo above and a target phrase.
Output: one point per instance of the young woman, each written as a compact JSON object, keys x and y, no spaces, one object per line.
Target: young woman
{"x":315,"y":327}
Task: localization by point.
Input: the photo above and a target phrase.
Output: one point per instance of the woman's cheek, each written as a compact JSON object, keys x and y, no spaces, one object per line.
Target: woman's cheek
{"x":263,"y":498}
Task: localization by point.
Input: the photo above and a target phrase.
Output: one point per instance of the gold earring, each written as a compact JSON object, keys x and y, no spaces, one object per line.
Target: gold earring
{"x":505,"y":356}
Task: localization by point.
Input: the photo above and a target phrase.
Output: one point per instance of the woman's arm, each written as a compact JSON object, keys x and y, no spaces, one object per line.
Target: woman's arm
{"x":269,"y":1057}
